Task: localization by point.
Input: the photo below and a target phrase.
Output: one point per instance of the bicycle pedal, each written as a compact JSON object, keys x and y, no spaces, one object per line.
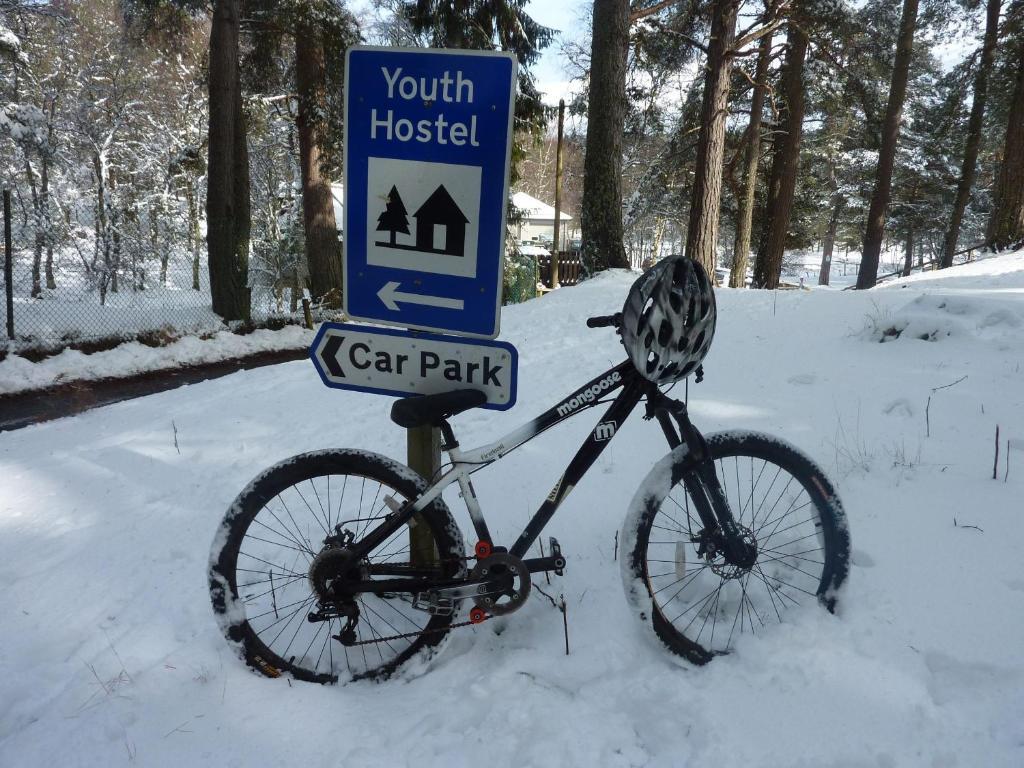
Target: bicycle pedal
{"x":556,"y":553}
{"x":435,"y":605}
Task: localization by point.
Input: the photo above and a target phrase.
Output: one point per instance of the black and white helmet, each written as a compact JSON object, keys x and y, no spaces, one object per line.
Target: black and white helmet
{"x":668,"y":320}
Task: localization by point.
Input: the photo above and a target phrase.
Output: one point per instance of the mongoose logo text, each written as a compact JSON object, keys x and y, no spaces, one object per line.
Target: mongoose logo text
{"x":589,"y":395}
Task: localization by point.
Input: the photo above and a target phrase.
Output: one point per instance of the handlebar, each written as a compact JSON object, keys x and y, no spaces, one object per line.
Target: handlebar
{"x":605,"y":321}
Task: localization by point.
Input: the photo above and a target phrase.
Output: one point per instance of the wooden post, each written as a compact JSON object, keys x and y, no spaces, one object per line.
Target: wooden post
{"x":8,"y":265}
{"x":424,"y":455}
{"x":558,"y":196}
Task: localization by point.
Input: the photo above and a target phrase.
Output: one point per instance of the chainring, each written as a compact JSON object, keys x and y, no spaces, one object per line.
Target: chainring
{"x":500,"y":564}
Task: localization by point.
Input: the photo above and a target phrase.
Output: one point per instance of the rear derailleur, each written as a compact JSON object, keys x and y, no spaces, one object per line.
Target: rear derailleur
{"x":348,"y":611}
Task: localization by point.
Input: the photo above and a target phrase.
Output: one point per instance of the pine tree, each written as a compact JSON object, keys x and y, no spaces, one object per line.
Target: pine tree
{"x":967,"y":171}
{"x":395,"y":218}
{"x":751,"y":162}
{"x":601,"y":217}
{"x":785,"y":156}
{"x":868,"y":274}
{"x":706,"y":196}
{"x":227,"y":201}
{"x":1006,"y":226}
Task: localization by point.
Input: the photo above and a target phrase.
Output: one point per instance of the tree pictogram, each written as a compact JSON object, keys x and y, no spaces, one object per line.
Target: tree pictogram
{"x":395,"y":218}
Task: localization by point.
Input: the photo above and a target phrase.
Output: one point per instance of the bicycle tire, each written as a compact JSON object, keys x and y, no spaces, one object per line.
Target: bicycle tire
{"x":251,"y":542}
{"x":655,"y":585}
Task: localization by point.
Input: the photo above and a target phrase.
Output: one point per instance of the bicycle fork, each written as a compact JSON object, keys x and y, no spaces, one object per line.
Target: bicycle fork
{"x":721,"y":531}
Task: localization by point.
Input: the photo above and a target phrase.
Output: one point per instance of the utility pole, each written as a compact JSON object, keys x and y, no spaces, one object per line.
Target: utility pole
{"x":558,"y":196}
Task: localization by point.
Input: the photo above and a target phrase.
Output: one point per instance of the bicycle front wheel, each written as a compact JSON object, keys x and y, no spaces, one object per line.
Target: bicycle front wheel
{"x":270,"y":555}
{"x":696,"y":602}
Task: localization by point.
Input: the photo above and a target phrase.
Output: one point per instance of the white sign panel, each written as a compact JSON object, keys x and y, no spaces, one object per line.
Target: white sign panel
{"x":401,"y":363}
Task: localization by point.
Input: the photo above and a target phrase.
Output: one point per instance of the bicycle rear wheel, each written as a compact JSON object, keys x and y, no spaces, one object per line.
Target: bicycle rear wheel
{"x":270,"y":555}
{"x":698,"y":604}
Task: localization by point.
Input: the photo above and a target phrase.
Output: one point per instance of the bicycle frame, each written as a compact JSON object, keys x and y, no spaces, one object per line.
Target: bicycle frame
{"x":633,"y":388}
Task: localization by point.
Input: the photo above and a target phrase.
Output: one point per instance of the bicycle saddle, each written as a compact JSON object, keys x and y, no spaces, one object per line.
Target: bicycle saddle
{"x":419,"y":410}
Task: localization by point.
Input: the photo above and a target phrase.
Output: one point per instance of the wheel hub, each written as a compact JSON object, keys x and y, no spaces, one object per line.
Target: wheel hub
{"x":330,"y":569}
{"x":711,"y":547}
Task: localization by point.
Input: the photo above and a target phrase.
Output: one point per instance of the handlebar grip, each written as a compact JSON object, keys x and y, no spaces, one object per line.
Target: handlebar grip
{"x":604,"y":321}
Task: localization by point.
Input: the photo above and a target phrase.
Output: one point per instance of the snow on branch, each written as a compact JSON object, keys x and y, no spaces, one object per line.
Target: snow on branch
{"x":10,"y":45}
{"x":25,"y":124}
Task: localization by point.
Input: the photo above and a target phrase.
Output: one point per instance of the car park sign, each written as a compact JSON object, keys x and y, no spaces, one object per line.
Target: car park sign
{"x":387,"y":361}
{"x":428,"y":136}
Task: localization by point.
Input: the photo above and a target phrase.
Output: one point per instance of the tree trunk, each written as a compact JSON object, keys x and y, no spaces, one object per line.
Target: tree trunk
{"x":867,"y":276}
{"x":828,"y":244}
{"x":974,"y":126}
{"x":706,"y":195}
{"x":227,"y":199}
{"x":601,"y":213}
{"x":1006,"y":227}
{"x":323,"y":255}
{"x":115,"y":260}
{"x":154,"y":237}
{"x":37,"y":230}
{"x":193,"y":231}
{"x":785,"y":159}
{"x":908,"y":257}
{"x":44,"y":206}
{"x":745,"y":212}
{"x":102,"y":226}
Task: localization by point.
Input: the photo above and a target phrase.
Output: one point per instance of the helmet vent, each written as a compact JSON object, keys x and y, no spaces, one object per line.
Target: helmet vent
{"x":665,"y":332}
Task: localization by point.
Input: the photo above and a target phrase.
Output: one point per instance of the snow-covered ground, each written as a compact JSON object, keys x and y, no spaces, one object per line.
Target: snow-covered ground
{"x":109,"y":652}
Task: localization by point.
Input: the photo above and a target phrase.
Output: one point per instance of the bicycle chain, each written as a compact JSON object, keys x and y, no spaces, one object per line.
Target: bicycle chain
{"x":421,"y":633}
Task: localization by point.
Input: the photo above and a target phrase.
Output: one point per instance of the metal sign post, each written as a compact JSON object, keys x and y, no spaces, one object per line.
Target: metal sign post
{"x":428,"y":140}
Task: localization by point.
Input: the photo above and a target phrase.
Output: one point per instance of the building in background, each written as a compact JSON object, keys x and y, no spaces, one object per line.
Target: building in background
{"x":537,"y":222}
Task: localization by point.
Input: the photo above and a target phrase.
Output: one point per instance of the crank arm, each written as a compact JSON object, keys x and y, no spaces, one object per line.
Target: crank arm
{"x":499,"y":586}
{"x":538,"y":564}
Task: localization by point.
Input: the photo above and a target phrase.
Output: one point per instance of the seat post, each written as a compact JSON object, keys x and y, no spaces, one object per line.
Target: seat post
{"x":447,"y":435}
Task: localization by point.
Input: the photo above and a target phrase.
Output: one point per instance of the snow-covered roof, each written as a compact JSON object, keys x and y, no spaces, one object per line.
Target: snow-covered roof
{"x":533,"y":208}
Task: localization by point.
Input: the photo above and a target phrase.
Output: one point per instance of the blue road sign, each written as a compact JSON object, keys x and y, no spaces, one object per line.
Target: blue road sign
{"x":387,"y":361}
{"x":428,"y":137}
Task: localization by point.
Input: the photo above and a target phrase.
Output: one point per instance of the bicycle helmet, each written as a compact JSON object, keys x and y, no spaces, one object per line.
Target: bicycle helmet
{"x":668,"y":320}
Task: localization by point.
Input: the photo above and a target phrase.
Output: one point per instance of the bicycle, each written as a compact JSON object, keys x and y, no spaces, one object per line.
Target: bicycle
{"x":737,"y":526}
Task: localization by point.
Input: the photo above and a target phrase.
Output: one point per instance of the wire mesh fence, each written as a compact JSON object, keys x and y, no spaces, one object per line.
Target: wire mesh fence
{"x":65,"y":302}
{"x":63,"y":297}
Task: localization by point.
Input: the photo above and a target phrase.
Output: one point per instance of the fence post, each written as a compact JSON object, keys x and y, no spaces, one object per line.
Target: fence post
{"x":558,"y":197}
{"x":8,"y":265}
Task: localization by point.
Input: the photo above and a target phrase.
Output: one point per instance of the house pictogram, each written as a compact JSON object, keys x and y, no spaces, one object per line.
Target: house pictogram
{"x":439,"y":220}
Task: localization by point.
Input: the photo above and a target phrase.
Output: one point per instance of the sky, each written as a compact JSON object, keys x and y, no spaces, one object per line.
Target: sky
{"x":565,"y":16}
{"x":562,"y":15}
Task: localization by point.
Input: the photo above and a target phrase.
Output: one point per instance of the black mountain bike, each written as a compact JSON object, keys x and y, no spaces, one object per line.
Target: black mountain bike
{"x":345,"y":564}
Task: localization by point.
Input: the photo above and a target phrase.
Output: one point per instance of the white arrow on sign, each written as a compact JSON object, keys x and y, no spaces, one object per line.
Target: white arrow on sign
{"x":390,"y":295}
